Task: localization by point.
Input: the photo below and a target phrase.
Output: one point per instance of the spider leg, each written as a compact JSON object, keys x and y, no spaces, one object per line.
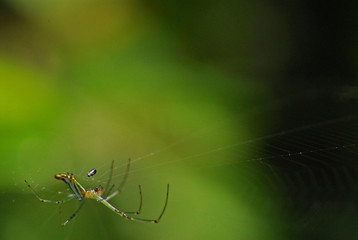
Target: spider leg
{"x":125,"y":176}
{"x":73,"y":215}
{"x":109,"y":180}
{"x":140,"y":203}
{"x":110,"y":190}
{"x":112,"y":195}
{"x":120,"y":185}
{"x":124,"y":214}
{"x":49,"y":201}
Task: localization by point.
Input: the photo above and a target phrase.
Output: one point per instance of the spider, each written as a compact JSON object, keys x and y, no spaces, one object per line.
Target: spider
{"x":100,"y":195}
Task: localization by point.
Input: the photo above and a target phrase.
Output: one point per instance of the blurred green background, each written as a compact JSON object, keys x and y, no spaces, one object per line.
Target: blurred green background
{"x":165,"y":83}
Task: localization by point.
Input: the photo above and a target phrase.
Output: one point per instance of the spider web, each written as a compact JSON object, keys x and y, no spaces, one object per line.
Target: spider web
{"x":300,"y":172}
{"x":305,"y":163}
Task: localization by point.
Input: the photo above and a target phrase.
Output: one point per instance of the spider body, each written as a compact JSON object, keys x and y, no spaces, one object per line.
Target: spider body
{"x":99,"y":194}
{"x":77,"y":189}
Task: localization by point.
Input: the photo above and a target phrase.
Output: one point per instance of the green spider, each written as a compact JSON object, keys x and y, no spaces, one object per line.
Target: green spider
{"x":99,"y":193}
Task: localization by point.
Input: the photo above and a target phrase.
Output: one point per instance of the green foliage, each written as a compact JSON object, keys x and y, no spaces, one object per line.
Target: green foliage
{"x":120,"y":89}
